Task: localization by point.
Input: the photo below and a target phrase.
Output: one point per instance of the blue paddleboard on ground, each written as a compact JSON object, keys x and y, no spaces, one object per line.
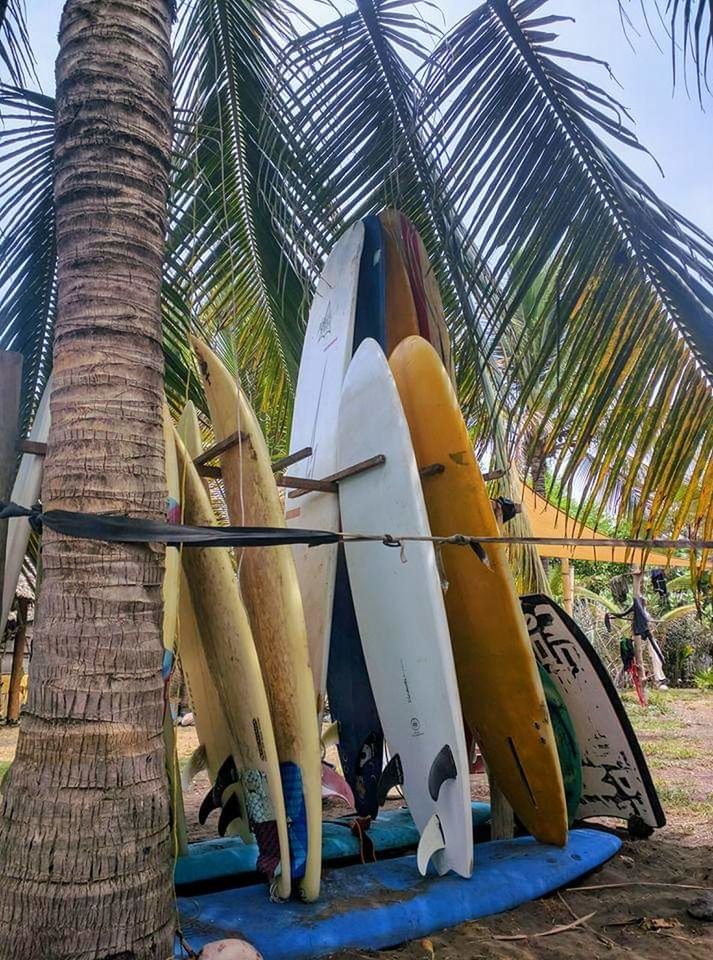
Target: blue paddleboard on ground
{"x":229,"y":858}
{"x":378,"y":905}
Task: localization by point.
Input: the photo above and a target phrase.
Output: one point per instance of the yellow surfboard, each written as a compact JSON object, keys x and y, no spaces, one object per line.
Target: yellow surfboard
{"x":234,"y":666}
{"x":501,"y":693}
{"x":170,"y":595}
{"x":210,"y":722}
{"x":268,"y":582}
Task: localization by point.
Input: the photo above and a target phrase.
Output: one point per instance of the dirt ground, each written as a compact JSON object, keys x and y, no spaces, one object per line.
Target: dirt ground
{"x":643,"y":916}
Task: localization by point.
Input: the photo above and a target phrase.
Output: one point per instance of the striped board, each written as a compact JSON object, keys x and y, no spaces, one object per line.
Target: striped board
{"x":402,"y":620}
{"x":615,"y":778}
{"x":351,"y":700}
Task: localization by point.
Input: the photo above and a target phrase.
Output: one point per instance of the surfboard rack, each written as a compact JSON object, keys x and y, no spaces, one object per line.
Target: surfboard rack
{"x":32,"y":446}
{"x":204,"y":468}
{"x":330,"y":484}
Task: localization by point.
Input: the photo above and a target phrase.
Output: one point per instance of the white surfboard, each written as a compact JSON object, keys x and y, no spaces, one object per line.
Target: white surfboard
{"x":402,"y":620}
{"x":615,"y":778}
{"x":25,"y":492}
{"x":326,"y":354}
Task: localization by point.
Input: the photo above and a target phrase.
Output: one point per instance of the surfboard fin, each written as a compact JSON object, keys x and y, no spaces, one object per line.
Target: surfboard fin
{"x":330,"y":737}
{"x":391,"y":776}
{"x":230,"y":811}
{"x":443,"y":768}
{"x":432,"y":840}
{"x":226,"y":777}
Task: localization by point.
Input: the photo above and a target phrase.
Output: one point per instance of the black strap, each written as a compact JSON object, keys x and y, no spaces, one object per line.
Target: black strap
{"x":119,"y":529}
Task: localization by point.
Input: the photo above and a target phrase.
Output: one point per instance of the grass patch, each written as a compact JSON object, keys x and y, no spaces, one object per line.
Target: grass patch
{"x":672,"y":750}
{"x":680,"y":799}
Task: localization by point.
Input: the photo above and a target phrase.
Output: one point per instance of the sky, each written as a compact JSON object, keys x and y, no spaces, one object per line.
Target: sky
{"x":668,"y":122}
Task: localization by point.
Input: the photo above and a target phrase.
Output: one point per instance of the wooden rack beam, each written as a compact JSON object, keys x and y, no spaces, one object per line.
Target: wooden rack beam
{"x":32,"y":446}
{"x":333,"y":479}
{"x":220,"y":447}
{"x":296,"y":457}
{"x":432,"y":470}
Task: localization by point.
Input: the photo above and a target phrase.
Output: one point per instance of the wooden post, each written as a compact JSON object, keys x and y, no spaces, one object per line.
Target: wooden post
{"x":502,"y":818}
{"x":568,"y":585}
{"x":18,"y":663}
{"x":10,"y":383}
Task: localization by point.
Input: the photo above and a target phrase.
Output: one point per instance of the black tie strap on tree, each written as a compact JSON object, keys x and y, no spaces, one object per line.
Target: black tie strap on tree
{"x":119,"y":529}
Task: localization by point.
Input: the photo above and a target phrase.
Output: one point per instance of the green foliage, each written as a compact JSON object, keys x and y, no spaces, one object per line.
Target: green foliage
{"x":703,"y":679}
{"x":687,"y":646}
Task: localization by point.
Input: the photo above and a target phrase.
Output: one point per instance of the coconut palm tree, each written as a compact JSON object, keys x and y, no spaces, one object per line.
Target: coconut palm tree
{"x":286,"y":132}
{"x":85,"y":851}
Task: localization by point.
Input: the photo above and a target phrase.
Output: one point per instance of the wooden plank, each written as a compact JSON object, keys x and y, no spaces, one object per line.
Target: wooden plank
{"x":32,"y":446}
{"x":334,"y":478}
{"x":302,"y":485}
{"x":283,"y":462}
{"x":220,"y":447}
{"x":432,"y":470}
{"x":10,"y":385}
{"x":211,"y":473}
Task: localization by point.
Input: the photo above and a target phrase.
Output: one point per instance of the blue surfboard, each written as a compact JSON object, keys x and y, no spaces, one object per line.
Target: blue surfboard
{"x":373,"y":906}
{"x":351,"y":701}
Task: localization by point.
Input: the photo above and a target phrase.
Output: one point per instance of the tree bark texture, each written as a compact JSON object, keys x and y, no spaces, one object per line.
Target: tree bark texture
{"x":85,"y":849}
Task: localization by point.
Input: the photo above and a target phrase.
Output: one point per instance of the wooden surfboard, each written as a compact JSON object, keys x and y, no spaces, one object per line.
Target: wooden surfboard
{"x":503,"y":701}
{"x":325,"y":357}
{"x":270,"y":590}
{"x":234,"y":666}
{"x":615,"y":778}
{"x":401,"y":617}
{"x":209,"y":718}
{"x":401,"y":316}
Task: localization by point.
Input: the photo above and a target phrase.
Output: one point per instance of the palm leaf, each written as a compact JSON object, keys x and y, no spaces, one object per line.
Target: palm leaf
{"x":27,"y":237}
{"x":15,"y":52}
{"x":622,"y":282}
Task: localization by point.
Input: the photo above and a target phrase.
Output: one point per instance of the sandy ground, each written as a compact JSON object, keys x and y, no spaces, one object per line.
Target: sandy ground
{"x":643,"y":916}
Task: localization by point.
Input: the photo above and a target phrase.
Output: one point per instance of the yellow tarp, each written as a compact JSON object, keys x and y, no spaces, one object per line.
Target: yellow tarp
{"x":547,"y":521}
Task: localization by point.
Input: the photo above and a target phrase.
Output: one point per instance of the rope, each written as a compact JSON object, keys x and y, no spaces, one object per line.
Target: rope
{"x":121,"y":529}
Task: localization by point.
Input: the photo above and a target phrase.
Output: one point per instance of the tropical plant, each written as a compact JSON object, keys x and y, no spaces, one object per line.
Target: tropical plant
{"x":286,"y":132}
{"x":85,"y":849}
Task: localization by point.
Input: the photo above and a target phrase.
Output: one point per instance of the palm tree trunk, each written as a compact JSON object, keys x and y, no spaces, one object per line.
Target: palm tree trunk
{"x":85,"y":852}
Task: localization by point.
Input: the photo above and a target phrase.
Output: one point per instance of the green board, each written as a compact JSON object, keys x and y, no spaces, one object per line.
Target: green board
{"x":567,"y":747}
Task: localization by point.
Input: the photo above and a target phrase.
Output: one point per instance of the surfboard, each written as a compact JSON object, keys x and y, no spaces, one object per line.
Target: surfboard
{"x":615,"y":778}
{"x":379,"y":905}
{"x":426,"y":294}
{"x":401,"y":617}
{"x":234,"y":666}
{"x":210,"y":721}
{"x":503,"y":701}
{"x":170,"y":595}
{"x":401,"y":316}
{"x":567,"y":747}
{"x":325,"y":357}
{"x":25,"y":492}
{"x":270,"y":591}
{"x":351,"y":700}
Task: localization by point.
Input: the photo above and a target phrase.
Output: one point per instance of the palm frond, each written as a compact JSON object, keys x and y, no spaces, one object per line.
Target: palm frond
{"x":224,"y":258}
{"x":621,"y":281}
{"x":27,"y":237}
{"x":15,"y":51}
